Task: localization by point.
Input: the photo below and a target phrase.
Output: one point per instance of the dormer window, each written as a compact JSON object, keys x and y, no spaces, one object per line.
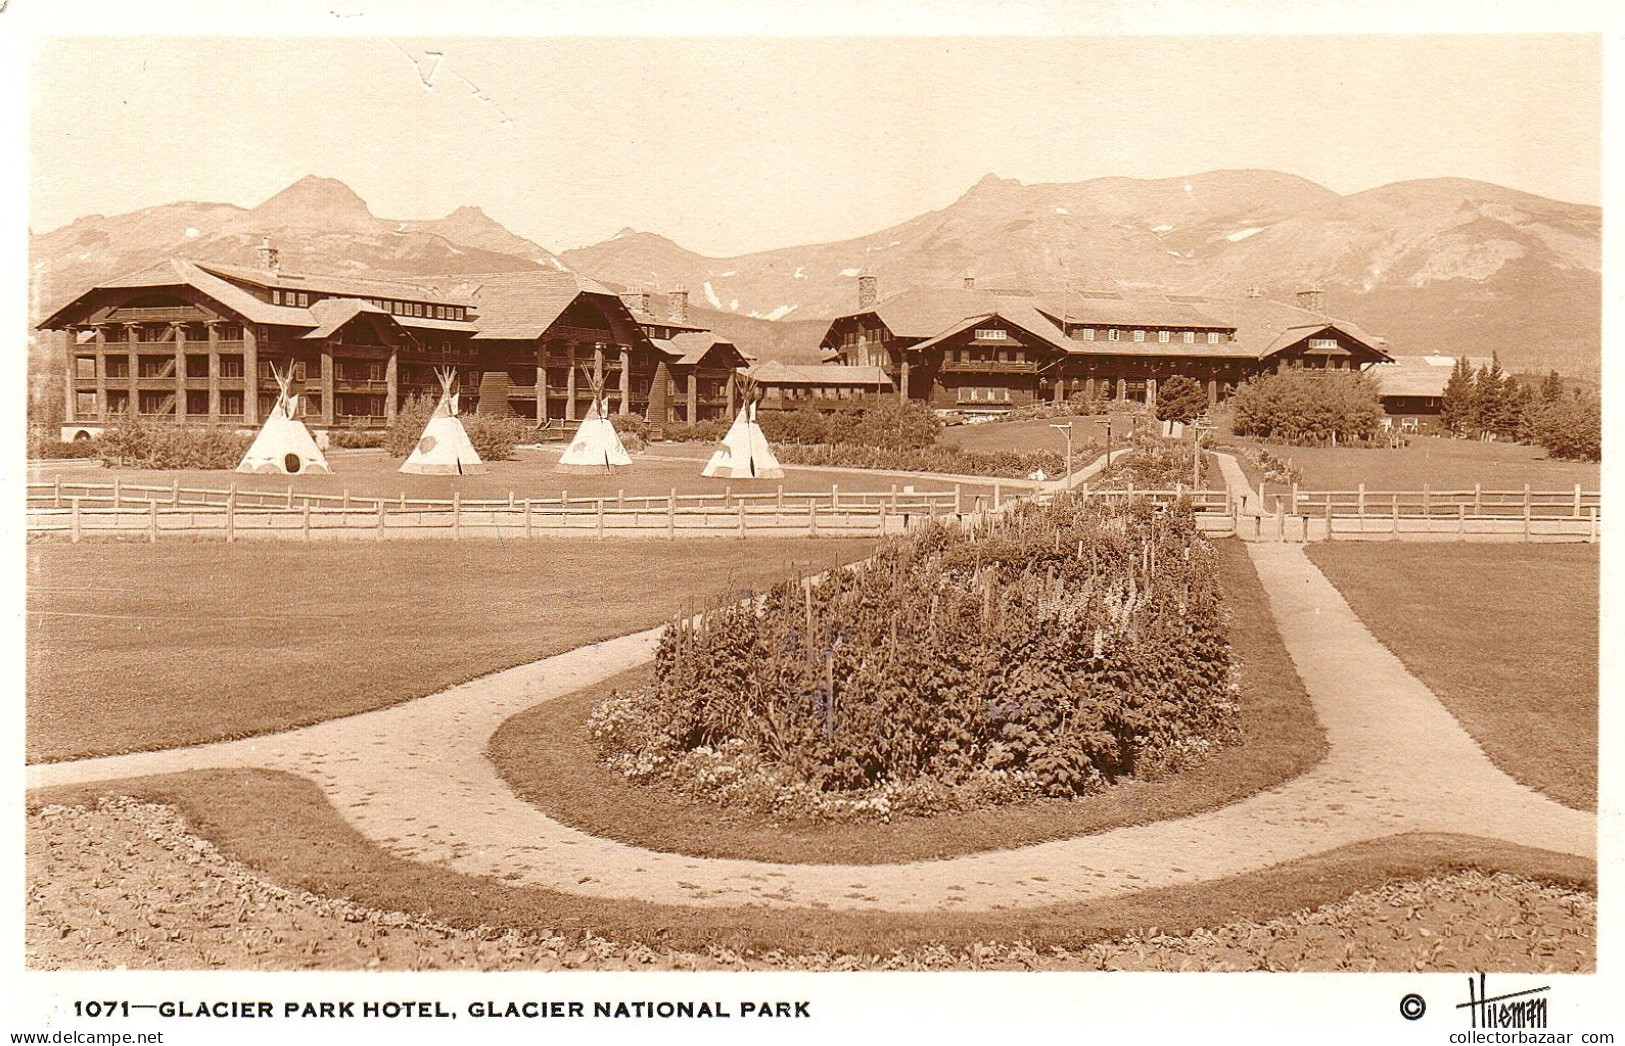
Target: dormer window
{"x":1111,"y":335}
{"x":276,"y":297}
{"x":304,"y":299}
{"x":1088,"y":334}
{"x":1213,"y":337}
{"x":1164,"y":336}
{"x":1190,"y":337}
{"x":1139,"y":335}
{"x":992,"y":334}
{"x":1323,"y":343}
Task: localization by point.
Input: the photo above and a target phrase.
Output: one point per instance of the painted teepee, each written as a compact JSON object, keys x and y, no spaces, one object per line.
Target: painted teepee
{"x":744,"y":452}
{"x":444,"y":449}
{"x":597,"y":446}
{"x":283,"y":443}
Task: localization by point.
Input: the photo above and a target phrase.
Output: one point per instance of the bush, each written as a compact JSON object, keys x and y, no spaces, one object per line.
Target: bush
{"x":355,"y":436}
{"x":45,"y":441}
{"x":1570,"y":428}
{"x":1050,"y":652}
{"x":631,"y":424}
{"x":888,"y":425}
{"x":495,"y":437}
{"x":1180,"y":399}
{"x":132,"y":441}
{"x":946,"y":459}
{"x":699,"y":432}
{"x":410,"y":418}
{"x":1300,"y":406}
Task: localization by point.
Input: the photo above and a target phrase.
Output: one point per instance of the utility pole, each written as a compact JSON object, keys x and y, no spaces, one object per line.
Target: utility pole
{"x":1108,"y":466}
{"x":1067,"y":430}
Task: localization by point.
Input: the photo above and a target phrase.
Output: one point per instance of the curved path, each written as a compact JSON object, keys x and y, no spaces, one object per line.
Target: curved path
{"x":414,"y":778}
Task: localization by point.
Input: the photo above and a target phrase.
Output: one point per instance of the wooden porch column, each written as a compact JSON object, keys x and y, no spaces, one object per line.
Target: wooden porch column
{"x":392,"y":384}
{"x":693,"y":396}
{"x":733,"y":392}
{"x":902,"y":379}
{"x":70,"y":406}
{"x":251,"y":377}
{"x":180,"y":372}
{"x":1150,"y":392}
{"x":570,"y":381}
{"x":541,"y":381}
{"x":132,"y":348}
{"x":1122,"y":389}
{"x":101,"y":373}
{"x":214,"y":374}
{"x":597,"y":364}
{"x":626,"y":380}
{"x":1058,"y":394}
{"x":328,"y":413}
{"x":1089,"y":388}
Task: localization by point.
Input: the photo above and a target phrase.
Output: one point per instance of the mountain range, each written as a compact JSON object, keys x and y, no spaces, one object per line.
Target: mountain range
{"x":1439,"y":265}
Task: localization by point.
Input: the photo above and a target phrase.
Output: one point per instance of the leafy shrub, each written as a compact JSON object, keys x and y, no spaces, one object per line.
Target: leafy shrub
{"x":1156,"y":464}
{"x":410,"y":418}
{"x":495,"y":437}
{"x":631,"y":424}
{"x":1313,"y":407}
{"x":946,"y":459}
{"x":699,"y":432}
{"x":355,"y":436}
{"x":46,"y":443}
{"x":887,"y":425}
{"x":133,"y":441}
{"x":1049,"y":652}
{"x":1570,"y":428}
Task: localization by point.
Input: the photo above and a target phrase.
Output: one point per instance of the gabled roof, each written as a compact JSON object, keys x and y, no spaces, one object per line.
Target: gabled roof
{"x":522,"y":305}
{"x":1419,"y":375}
{"x":1099,"y":311}
{"x":178,"y":272}
{"x":693,"y":345}
{"x":333,"y":313}
{"x":348,"y":286}
{"x":1019,"y":315}
{"x":772,"y":372}
{"x":925,"y":312}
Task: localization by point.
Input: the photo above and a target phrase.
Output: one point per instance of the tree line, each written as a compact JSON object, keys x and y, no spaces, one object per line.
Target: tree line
{"x":1488,"y":403}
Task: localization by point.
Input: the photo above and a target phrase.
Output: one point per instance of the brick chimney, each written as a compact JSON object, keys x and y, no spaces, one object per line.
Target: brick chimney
{"x":636,"y":299}
{"x":267,"y":255}
{"x":1313,"y":299}
{"x":868,"y":289}
{"x":970,"y":281}
{"x":679,"y":303}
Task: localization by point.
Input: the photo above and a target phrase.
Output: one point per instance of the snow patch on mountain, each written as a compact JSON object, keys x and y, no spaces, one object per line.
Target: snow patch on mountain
{"x":192,"y":233}
{"x":556,"y":263}
{"x":733,"y":306}
{"x":1162,"y":228}
{"x":731,"y":272}
{"x":711,"y":295}
{"x":850,"y":272}
{"x":781,"y":312}
{"x":799,"y":274}
{"x":1062,"y":210}
{"x":1242,"y":234}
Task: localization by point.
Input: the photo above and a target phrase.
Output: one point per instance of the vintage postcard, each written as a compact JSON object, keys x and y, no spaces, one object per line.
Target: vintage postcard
{"x":706,"y":512}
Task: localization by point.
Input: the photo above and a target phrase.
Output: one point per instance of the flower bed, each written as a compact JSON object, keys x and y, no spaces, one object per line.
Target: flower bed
{"x":1050,"y":653}
{"x":945,"y":459}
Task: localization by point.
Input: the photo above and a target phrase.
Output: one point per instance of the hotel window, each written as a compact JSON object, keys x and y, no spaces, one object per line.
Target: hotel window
{"x":1139,"y":335}
{"x":1164,"y":336}
{"x":304,"y":299}
{"x":992,"y":334}
{"x":84,"y":367}
{"x":1111,"y":335}
{"x":276,"y":297}
{"x":1088,"y":334}
{"x":1190,"y":336}
{"x":417,"y":310}
{"x":1323,"y":343}
{"x":1213,"y":337}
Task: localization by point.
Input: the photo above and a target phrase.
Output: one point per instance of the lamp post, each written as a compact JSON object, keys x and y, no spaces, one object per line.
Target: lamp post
{"x":1196,"y":467}
{"x":1108,"y":466}
{"x":1067,"y":429}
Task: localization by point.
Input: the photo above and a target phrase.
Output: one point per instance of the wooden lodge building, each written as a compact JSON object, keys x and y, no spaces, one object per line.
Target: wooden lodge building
{"x":975,"y":350}
{"x":194,"y":342}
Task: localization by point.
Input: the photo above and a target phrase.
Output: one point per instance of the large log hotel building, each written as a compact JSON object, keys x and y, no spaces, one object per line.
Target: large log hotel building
{"x":976,"y":350}
{"x":194,"y":342}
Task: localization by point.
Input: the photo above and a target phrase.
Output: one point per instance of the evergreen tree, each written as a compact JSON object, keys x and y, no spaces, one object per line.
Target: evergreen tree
{"x":1180,"y":399}
{"x":1551,"y":388}
{"x":1456,"y":411}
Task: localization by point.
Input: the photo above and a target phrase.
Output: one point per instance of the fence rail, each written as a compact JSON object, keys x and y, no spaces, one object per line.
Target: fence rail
{"x":1476,"y":503}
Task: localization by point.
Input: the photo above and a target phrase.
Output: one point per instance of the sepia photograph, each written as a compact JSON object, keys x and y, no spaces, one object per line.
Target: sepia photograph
{"x":615,"y":503}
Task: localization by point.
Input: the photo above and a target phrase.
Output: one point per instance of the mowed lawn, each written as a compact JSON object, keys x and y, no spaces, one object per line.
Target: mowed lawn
{"x":1036,"y":434}
{"x":134,"y":646}
{"x":371,"y":473}
{"x":1431,"y":461}
{"x":1506,"y":635}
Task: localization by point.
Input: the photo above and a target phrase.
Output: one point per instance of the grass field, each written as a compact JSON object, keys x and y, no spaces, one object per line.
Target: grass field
{"x":548,"y":759}
{"x":371,"y":473}
{"x":1506,"y":635}
{"x":134,"y":647}
{"x":1036,"y":434}
{"x":1432,"y":461}
{"x":282,"y":828}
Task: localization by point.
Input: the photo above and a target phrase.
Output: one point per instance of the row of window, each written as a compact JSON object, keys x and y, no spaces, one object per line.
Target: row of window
{"x":84,"y":367}
{"x":970,"y":394}
{"x":808,"y":392}
{"x":987,"y":356}
{"x":153,"y":333}
{"x":302,"y":299}
{"x":1163,"y":336}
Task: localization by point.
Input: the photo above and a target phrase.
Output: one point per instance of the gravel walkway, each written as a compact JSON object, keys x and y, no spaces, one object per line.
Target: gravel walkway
{"x":415,"y":779}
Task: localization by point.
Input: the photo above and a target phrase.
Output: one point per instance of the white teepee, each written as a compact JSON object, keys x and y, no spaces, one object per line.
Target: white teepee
{"x":444,"y":449}
{"x":597,"y":446}
{"x":744,"y":453}
{"x":283,"y":443}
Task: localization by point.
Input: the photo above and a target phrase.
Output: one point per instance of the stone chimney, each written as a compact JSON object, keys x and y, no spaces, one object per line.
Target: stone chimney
{"x":970,"y":281}
{"x":267,"y":255}
{"x":868,"y":289}
{"x":636,"y":299}
{"x":679,"y":303}
{"x":1255,"y":291}
{"x":1313,"y":299}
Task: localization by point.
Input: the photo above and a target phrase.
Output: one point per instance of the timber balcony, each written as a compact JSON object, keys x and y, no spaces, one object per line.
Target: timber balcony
{"x":170,"y":314}
{"x":987,"y":367}
{"x":359,"y":385}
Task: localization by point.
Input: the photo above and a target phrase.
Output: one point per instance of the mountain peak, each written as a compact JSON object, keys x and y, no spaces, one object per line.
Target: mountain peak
{"x":314,"y":202}
{"x":467,"y":213}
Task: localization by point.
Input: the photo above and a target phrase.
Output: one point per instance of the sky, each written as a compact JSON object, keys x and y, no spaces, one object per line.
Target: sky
{"x":729,"y":145}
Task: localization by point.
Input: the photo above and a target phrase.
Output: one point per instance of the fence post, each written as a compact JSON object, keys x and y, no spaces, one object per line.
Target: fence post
{"x":1593,"y":538}
{"x":1577,"y":501}
{"x":600,"y":519}
{"x":530,"y":527}
{"x":1294,"y":499}
{"x":620,"y":498}
{"x":305,"y":526}
{"x":403,"y":501}
{"x":781,"y":497}
{"x":1427,"y":500}
{"x":231,"y":513}
{"x":959,"y":499}
{"x":456,"y":513}
{"x":75,"y":532}
{"x":727,"y":494}
{"x":290,"y":495}
{"x":1478,"y":499}
{"x":1526,"y":513}
{"x":1360,"y":500}
{"x":346,"y":499}
{"x":175,"y":492}
{"x":564,"y":499}
{"x":56,"y":493}
{"x":741,"y":517}
{"x":835,"y":497}
{"x":118,"y":492}
{"x":152,"y":521}
{"x":812,"y":517}
{"x":671,"y":516}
